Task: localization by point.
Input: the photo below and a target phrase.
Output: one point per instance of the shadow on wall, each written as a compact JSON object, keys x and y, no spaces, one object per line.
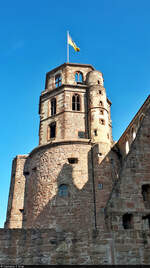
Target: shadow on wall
{"x":73,"y":200}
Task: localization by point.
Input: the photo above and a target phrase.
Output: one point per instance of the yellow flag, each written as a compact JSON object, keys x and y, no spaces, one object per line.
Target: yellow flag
{"x":72,"y":43}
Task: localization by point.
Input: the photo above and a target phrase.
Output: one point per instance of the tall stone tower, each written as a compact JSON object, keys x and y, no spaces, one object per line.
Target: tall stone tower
{"x":61,"y":173}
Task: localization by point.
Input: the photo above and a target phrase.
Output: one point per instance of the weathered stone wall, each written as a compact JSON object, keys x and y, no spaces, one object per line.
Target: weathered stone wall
{"x":16,"y":194}
{"x":48,"y":168}
{"x":130,"y":133}
{"x":127,"y":196}
{"x":35,"y":247}
{"x":68,"y":122}
{"x":98,"y":109}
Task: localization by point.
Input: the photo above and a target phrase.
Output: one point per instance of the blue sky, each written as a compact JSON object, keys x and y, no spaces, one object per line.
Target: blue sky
{"x":113,"y":36}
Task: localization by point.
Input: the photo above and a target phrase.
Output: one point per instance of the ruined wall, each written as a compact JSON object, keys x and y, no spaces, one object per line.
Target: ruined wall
{"x":35,"y":247}
{"x":48,"y":168}
{"x":130,"y":133}
{"x":16,"y":194}
{"x":106,"y":168}
{"x":131,"y":195}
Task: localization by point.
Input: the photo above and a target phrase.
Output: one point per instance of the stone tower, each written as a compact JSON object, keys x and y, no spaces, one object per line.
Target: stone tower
{"x":59,"y":174}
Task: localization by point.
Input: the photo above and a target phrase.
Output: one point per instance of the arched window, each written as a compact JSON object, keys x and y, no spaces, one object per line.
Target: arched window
{"x":58,"y":80}
{"x":101,"y":103}
{"x":133,"y":133}
{"x":53,"y":106}
{"x":127,"y":146}
{"x":63,"y":190}
{"x":76,"y":102}
{"x":79,"y":77}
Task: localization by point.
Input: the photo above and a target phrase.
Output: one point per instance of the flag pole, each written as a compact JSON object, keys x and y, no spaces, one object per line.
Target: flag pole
{"x":68,"y":46}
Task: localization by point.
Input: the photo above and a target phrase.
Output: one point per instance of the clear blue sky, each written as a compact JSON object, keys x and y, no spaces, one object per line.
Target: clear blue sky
{"x":113,"y":35}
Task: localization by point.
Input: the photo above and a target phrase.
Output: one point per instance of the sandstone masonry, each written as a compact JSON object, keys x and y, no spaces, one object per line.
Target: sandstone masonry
{"x":79,"y":197}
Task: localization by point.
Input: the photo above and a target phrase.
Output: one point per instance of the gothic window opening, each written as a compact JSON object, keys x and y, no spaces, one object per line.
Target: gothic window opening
{"x":58,"y":80}
{"x":52,"y":129}
{"x":73,"y":160}
{"x":76,"y":102}
{"x":79,"y":77}
{"x":133,"y":133}
{"x":127,"y":146}
{"x":100,"y":92}
{"x":53,"y":106}
{"x":63,"y":190}
{"x":127,"y":221}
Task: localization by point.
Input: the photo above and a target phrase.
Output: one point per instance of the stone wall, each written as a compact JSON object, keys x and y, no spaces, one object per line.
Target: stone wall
{"x":35,"y":247}
{"x":131,"y":194}
{"x":16,"y":194}
{"x":48,"y":167}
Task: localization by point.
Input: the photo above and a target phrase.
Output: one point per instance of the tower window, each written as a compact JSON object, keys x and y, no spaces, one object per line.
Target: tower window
{"x":101,"y":112}
{"x":73,"y":160}
{"x":52,"y":129}
{"x":95,"y":132}
{"x":63,"y":190}
{"x":101,"y":103}
{"x":102,"y":122}
{"x":76,"y":102}
{"x":53,"y":106}
{"x":58,"y":80}
{"x":127,"y":221}
{"x":79,"y":77}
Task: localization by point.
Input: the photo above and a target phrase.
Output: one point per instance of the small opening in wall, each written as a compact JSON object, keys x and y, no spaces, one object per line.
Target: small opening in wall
{"x":95,"y":132}
{"x":102,"y":122}
{"x":34,"y":169}
{"x":63,"y":190}
{"x":98,"y":82}
{"x":146,"y":195}
{"x":100,"y":186}
{"x":127,"y":221}
{"x":101,"y":103}
{"x":26,"y":173}
{"x":99,"y":154}
{"x":100,"y":92}
{"x":21,"y":210}
{"x":73,"y":160}
{"x":146,"y":221}
{"x":101,"y":112}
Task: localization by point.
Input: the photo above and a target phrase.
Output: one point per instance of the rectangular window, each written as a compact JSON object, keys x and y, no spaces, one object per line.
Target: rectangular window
{"x":53,"y":130}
